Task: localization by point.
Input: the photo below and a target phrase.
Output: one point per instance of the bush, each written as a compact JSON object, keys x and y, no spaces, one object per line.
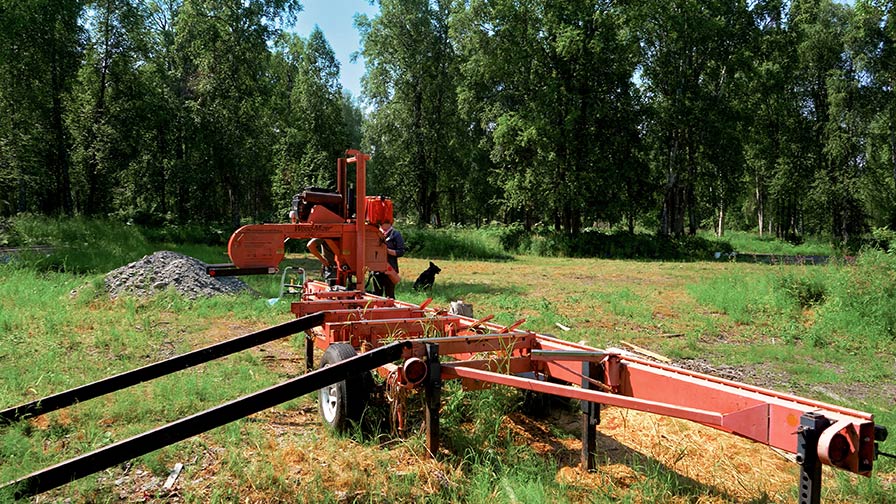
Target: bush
{"x":9,"y":237}
{"x":620,"y":245}
{"x":857,"y":311}
{"x":453,"y":243}
{"x":186,"y":233}
{"x":806,"y":290}
{"x":883,"y":239}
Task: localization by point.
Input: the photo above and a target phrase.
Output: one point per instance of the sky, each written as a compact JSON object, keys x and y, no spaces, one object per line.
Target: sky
{"x":336,"y":19}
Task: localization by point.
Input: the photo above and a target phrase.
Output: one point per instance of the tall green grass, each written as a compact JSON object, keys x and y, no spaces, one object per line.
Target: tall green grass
{"x":597,"y":243}
{"x":751,"y":242}
{"x":815,"y":325}
{"x":846,"y":308}
{"x":453,"y":243}
{"x":82,"y":245}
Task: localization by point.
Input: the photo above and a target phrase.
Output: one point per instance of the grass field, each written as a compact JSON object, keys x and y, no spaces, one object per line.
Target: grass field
{"x":823,"y":332}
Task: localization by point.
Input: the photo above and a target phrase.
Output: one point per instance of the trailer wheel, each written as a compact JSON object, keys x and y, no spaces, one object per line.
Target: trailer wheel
{"x":343,"y":402}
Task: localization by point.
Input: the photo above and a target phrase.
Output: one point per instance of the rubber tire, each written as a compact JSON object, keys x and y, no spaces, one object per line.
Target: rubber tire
{"x":344,"y":402}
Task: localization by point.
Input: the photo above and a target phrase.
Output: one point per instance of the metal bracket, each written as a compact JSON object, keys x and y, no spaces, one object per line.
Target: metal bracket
{"x":811,"y":426}
{"x":433,"y":394}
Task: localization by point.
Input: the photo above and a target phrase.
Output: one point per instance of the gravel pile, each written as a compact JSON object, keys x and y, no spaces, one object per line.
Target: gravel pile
{"x":159,"y":271}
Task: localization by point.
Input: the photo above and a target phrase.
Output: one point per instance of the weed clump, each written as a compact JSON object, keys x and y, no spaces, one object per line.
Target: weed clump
{"x":806,"y":290}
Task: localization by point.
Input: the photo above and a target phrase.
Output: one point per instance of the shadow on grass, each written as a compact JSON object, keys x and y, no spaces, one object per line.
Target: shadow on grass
{"x":609,"y":451}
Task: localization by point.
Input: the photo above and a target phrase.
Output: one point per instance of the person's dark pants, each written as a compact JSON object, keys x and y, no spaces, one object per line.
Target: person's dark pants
{"x":382,"y":286}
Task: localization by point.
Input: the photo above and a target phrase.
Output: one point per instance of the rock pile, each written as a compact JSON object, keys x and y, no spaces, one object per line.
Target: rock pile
{"x":159,"y":271}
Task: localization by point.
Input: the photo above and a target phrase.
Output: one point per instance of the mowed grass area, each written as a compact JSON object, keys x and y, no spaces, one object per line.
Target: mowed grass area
{"x":822,"y":332}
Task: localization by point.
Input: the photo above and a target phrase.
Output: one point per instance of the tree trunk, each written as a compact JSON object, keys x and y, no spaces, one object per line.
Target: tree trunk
{"x":893,"y":139}
{"x":93,"y":165}
{"x":760,"y":206}
{"x":689,"y":195}
{"x":720,"y":223}
{"x":691,"y":208}
{"x":233,"y":197}
{"x":60,"y":149}
{"x":672,"y":218}
{"x":424,"y":207}
{"x":60,"y":155}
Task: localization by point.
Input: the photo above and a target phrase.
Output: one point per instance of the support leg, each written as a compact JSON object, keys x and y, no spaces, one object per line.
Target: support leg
{"x":309,"y":353}
{"x":811,"y":426}
{"x":433,"y":392}
{"x":590,"y":418}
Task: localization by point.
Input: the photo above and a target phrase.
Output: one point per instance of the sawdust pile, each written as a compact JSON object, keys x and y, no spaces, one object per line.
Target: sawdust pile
{"x":157,"y":272}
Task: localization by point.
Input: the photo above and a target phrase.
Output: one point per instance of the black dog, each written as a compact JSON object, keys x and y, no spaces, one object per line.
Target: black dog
{"x":427,"y":278}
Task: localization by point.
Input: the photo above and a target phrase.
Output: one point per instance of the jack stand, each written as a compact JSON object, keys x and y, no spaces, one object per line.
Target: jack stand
{"x":811,"y":426}
{"x":433,"y":397}
{"x":590,"y":417}
{"x":309,"y":353}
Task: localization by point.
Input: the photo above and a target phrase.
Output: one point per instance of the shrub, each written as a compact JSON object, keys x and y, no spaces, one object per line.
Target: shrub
{"x":883,"y":239}
{"x":619,"y":245}
{"x":9,"y":237}
{"x":453,"y":243}
{"x":807,"y":290}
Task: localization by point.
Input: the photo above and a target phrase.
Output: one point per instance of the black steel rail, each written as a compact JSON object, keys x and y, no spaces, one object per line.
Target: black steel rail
{"x":230,"y":269}
{"x":161,"y":368}
{"x":103,"y":458}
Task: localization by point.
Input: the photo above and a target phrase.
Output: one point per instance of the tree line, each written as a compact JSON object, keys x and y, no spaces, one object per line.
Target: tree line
{"x":669,"y":115}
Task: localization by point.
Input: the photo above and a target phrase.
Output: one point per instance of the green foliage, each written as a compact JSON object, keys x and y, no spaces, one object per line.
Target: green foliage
{"x":765,"y":115}
{"x":453,"y":243}
{"x":746,"y":299}
{"x":497,"y":466}
{"x":807,"y":290}
{"x":858,"y":309}
{"x":549,"y":89}
{"x":422,"y":150}
{"x":312,"y":117}
{"x":849,"y":307}
{"x":9,"y":237}
{"x":884,"y":239}
{"x":83,"y":245}
{"x":40,"y":53}
{"x":749,"y":243}
{"x":619,"y":245}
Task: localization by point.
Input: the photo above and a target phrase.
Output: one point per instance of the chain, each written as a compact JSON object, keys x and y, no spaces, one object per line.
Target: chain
{"x":397,"y":396}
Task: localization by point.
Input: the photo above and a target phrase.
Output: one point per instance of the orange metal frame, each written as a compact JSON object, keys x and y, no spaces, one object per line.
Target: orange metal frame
{"x":357,"y":246}
{"x":484,"y":353}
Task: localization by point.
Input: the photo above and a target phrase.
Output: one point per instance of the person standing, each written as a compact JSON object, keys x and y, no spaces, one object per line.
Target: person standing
{"x":384,"y":282}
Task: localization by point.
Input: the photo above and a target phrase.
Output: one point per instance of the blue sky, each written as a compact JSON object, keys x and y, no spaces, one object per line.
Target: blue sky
{"x":335,"y":19}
